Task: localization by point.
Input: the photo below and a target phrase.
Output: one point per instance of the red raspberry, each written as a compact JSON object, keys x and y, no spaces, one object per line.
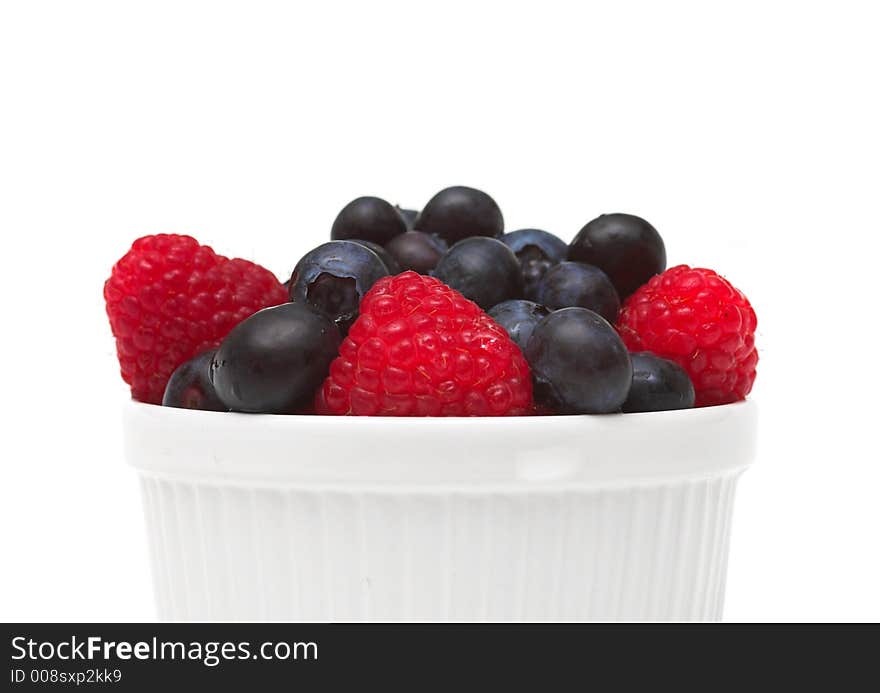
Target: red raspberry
{"x":420,"y":348}
{"x":170,"y":298}
{"x":702,"y":322}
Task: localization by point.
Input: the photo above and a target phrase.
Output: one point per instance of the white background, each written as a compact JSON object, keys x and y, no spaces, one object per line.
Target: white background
{"x":748,"y":135}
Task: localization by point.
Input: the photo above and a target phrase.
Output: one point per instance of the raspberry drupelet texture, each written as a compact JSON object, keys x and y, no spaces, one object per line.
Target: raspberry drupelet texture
{"x":702,"y":322}
{"x":169,"y":298}
{"x":419,"y":348}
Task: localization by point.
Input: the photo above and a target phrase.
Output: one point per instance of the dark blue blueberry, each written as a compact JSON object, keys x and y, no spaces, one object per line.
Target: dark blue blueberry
{"x":274,"y":361}
{"x":409,"y":216}
{"x":576,"y":285}
{"x":626,"y":247}
{"x":190,"y":387}
{"x":579,"y":363}
{"x":389,"y":262}
{"x":483,"y":269}
{"x":417,"y":251}
{"x":519,"y":318}
{"x":460,"y":212}
{"x":369,"y":218}
{"x":334,"y":278}
{"x":537,"y":251}
{"x":658,"y":385}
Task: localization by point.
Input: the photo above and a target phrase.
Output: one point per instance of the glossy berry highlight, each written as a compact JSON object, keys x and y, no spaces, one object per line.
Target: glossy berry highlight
{"x":273,"y":361}
{"x":461,"y":212}
{"x":368,"y":218}
{"x":626,"y":247}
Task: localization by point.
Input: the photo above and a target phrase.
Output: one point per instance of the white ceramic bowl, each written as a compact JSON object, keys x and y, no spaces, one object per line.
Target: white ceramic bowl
{"x":537,"y":518}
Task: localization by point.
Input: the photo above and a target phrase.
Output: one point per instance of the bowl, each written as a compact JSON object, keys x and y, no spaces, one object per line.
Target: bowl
{"x":541,"y":518}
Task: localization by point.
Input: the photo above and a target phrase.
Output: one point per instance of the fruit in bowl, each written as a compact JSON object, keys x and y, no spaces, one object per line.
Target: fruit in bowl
{"x":434,"y":312}
{"x":475,"y":507}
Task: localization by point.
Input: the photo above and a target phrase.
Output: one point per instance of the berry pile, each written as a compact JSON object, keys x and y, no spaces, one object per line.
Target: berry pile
{"x":435,"y":312}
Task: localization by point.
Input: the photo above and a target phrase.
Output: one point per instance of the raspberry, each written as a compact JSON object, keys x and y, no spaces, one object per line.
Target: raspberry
{"x":170,"y":298}
{"x":702,"y":322}
{"x":420,"y":348}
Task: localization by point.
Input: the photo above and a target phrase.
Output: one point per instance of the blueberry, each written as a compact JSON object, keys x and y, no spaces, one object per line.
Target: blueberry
{"x":579,"y":363}
{"x":274,"y":361}
{"x":409,"y":216}
{"x":658,"y":385}
{"x":483,"y":269}
{"x":459,"y":212}
{"x":519,"y":318}
{"x":626,"y":247}
{"x":416,"y":251}
{"x":537,"y":251}
{"x":389,"y":262}
{"x":369,"y":218}
{"x":334,"y":278}
{"x":576,"y":285}
{"x":190,"y":386}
